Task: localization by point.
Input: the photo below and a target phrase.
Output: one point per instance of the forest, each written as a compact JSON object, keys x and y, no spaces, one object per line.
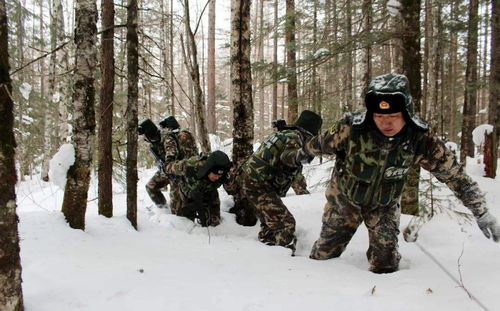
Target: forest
{"x":86,"y":72}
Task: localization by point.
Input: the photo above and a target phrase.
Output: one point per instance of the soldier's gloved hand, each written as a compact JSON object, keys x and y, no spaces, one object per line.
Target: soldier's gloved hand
{"x":489,"y":225}
{"x":303,"y":157}
{"x":203,"y":217}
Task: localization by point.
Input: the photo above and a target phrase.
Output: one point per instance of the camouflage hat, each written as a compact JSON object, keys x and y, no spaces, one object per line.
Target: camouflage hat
{"x":309,"y":121}
{"x":216,"y":161}
{"x":394,"y":90}
{"x":169,"y":122}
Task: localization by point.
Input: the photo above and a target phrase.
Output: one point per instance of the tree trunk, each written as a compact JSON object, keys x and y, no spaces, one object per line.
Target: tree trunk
{"x":191,"y":60}
{"x":211,"y":111}
{"x":78,"y":179}
{"x":171,"y":30}
{"x":453,"y":74}
{"x":348,"y":57}
{"x":469,"y":111}
{"x":275,"y":63}
{"x":410,"y":43}
{"x":291,"y":65}
{"x":48,"y":115}
{"x":11,"y":294}
{"x":367,"y":55}
{"x":241,"y":81}
{"x":105,"y":164}
{"x":494,"y":93}
{"x":132,"y":105}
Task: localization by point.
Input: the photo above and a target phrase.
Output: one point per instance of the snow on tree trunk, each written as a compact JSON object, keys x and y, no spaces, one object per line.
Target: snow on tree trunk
{"x":241,"y":81}
{"x":132,"y":104}
{"x":105,"y":120}
{"x":77,"y":185}
{"x":11,"y":295}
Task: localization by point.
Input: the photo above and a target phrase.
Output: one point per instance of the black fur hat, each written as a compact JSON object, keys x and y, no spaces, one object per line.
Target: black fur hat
{"x":169,"y":122}
{"x":309,"y":121}
{"x":216,"y":161}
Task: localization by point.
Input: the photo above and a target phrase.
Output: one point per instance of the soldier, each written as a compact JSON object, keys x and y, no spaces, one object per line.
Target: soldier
{"x":374,"y":151}
{"x":299,"y":185}
{"x":198,"y":178}
{"x":175,"y":144}
{"x":268,"y":173}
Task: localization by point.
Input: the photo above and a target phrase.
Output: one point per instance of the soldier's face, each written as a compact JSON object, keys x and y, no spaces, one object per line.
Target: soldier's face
{"x":213,"y":177}
{"x":389,"y":124}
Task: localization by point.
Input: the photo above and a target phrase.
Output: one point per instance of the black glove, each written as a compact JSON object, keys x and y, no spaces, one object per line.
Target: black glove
{"x":303,"y":157}
{"x":203,"y":216}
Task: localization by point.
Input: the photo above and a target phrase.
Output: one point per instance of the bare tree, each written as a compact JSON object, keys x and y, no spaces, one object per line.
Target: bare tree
{"x":191,"y":61}
{"x":469,"y":111}
{"x":11,"y":294}
{"x":293,"y":105}
{"x":105,"y":120}
{"x":78,"y":179}
{"x":132,"y":104}
{"x":494,"y":96}
{"x":241,"y":81}
{"x":275,"y":63}
{"x":212,"y":125}
{"x":410,"y":43}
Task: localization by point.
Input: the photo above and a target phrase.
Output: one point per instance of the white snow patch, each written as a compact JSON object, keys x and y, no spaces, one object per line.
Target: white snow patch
{"x":478,"y":133}
{"x":393,"y":6}
{"x":25,"y":89}
{"x":60,"y":163}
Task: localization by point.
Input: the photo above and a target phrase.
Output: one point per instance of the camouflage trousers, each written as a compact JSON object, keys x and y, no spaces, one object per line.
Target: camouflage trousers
{"x":211,"y":203}
{"x":341,"y":220}
{"x":154,"y":187}
{"x":299,"y":185}
{"x":277,"y":225}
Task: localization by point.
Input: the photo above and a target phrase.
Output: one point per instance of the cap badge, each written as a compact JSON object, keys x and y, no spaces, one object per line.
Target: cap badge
{"x":384,"y":105}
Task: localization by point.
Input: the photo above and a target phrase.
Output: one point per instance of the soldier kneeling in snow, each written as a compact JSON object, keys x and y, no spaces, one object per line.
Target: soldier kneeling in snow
{"x":197,"y":179}
{"x":374,"y":152}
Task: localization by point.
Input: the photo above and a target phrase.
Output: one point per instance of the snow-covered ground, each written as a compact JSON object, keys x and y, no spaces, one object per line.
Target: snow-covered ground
{"x":172,"y":264}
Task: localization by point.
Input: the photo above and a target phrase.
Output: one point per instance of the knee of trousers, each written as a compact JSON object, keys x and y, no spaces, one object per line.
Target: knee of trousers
{"x":383,"y":260}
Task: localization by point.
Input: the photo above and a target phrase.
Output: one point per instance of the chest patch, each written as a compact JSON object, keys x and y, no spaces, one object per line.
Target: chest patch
{"x":396,"y":172}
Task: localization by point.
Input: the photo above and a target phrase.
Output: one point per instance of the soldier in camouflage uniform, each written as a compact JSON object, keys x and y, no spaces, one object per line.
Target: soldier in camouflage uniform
{"x":177,"y":144}
{"x":374,"y":152}
{"x":268,"y":173}
{"x":198,"y":178}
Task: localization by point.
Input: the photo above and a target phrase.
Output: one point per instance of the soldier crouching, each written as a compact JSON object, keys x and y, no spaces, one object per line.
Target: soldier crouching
{"x":374,"y":152}
{"x":268,"y":174}
{"x":197,"y":180}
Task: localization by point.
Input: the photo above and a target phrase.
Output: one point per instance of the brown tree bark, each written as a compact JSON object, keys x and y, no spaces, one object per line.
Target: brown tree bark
{"x":494,"y":83}
{"x":410,"y":43}
{"x":469,"y":111}
{"x":211,"y":111}
{"x":11,"y":294}
{"x":275,"y":64}
{"x":78,"y":179}
{"x":132,"y":106}
{"x":105,"y":121}
{"x":241,"y":81}
{"x":191,"y":61}
{"x":291,"y":64}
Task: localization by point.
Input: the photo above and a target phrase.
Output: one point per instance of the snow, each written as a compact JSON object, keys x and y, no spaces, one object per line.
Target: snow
{"x":172,"y":264}
{"x":478,"y":133}
{"x":25,"y":89}
{"x":59,"y":165}
{"x":393,"y":6}
{"x":56,"y":97}
{"x":321,"y":52}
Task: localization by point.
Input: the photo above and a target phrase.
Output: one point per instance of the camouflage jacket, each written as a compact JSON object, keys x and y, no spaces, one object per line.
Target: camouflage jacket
{"x":178,"y":145}
{"x":371,"y":169}
{"x":184,"y":173}
{"x":275,"y":160}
